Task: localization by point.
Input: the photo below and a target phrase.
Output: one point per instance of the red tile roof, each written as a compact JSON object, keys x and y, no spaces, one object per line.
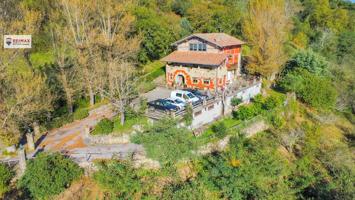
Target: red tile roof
{"x":219,"y":39}
{"x":194,"y":57}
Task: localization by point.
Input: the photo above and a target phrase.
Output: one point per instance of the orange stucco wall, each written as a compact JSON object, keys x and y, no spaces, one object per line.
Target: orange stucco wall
{"x":199,"y":79}
{"x":234,"y":51}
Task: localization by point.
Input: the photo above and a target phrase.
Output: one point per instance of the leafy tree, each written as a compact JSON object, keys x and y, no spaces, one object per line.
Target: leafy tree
{"x":186,"y":28}
{"x":5,"y":177}
{"x":158,"y":33}
{"x":48,"y":175}
{"x":314,"y":90}
{"x":345,"y":45}
{"x":180,"y":6}
{"x":266,"y":40}
{"x":247,"y":171}
{"x":308,"y":60}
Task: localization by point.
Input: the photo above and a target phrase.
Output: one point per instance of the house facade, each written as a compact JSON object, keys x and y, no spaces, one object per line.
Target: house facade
{"x":204,"y":61}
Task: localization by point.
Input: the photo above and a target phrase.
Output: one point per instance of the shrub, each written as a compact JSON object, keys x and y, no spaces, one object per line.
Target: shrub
{"x":185,"y":190}
{"x":272,"y":102}
{"x":60,"y":121}
{"x":130,"y":113}
{"x":143,"y":105}
{"x":247,"y":112}
{"x":219,"y":129}
{"x":166,"y":142}
{"x":80,"y":114}
{"x":244,"y":112}
{"x":277,"y":121}
{"x":236,"y":101}
{"x":119,"y":179}
{"x":48,"y":175}
{"x":81,"y":103}
{"x":104,"y":127}
{"x":188,"y":116}
{"x":5,"y":177}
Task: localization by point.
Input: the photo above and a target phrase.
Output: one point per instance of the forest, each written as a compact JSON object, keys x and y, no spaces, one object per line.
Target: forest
{"x":86,"y":53}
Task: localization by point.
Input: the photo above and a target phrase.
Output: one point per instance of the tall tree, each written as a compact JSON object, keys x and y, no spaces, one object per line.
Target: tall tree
{"x":114,"y":38}
{"x":24,"y":91}
{"x":79,"y":18}
{"x":67,"y":73}
{"x":265,"y":27}
{"x":123,"y":78}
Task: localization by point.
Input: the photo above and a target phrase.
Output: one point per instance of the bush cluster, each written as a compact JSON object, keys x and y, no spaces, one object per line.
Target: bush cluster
{"x":236,"y":101}
{"x":130,"y":113}
{"x":259,"y":106}
{"x":48,"y":175}
{"x":104,"y":127}
{"x":5,"y":177}
{"x":315,"y":90}
{"x":81,"y":114}
{"x":220,"y":129}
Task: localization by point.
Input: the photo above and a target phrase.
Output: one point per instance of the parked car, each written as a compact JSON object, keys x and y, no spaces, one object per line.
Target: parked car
{"x":176,"y":102}
{"x":163,"y":104}
{"x":185,"y":96}
{"x":197,"y":93}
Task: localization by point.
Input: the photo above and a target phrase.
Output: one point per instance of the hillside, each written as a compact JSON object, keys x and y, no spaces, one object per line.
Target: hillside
{"x":92,"y":62}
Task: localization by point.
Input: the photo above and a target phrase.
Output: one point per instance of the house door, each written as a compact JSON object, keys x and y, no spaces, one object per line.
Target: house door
{"x":180,"y":80}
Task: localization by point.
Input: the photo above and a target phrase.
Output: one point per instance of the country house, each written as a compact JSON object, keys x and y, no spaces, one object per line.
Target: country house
{"x":204,"y":61}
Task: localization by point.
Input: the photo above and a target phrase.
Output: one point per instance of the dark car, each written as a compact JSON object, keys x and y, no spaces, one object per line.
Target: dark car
{"x":197,"y":93}
{"x":164,"y":105}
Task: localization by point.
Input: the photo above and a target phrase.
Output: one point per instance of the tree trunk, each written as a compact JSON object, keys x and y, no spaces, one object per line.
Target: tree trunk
{"x":36,"y":129}
{"x":67,"y":91}
{"x":122,"y":117}
{"x":91,"y":95}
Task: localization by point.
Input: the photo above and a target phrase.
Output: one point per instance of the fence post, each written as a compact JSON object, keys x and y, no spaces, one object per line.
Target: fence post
{"x":22,"y":160}
{"x":36,"y":128}
{"x":87,"y":130}
{"x":30,"y":141}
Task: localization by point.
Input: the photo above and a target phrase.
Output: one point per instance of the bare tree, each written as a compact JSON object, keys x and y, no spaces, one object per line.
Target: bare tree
{"x":123,"y":79}
{"x":114,"y":22}
{"x":78,"y":15}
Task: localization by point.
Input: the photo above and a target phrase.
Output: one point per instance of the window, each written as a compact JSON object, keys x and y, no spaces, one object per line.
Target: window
{"x":185,"y":97}
{"x":190,"y":95}
{"x":191,"y":47}
{"x":198,"y":47}
{"x":202,"y":47}
{"x":206,"y":82}
{"x":178,"y":94}
{"x":195,"y":81}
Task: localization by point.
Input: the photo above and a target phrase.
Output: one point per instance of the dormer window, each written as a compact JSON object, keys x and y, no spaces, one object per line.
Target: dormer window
{"x":198,"y":47}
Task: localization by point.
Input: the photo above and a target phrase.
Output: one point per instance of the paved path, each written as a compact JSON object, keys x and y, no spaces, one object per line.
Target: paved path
{"x":157,"y":93}
{"x":69,"y":139}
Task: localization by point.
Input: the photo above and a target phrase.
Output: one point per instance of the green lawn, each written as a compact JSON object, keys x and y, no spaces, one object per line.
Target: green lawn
{"x":209,"y":136}
{"x":151,"y":72}
{"x":128,"y":125}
